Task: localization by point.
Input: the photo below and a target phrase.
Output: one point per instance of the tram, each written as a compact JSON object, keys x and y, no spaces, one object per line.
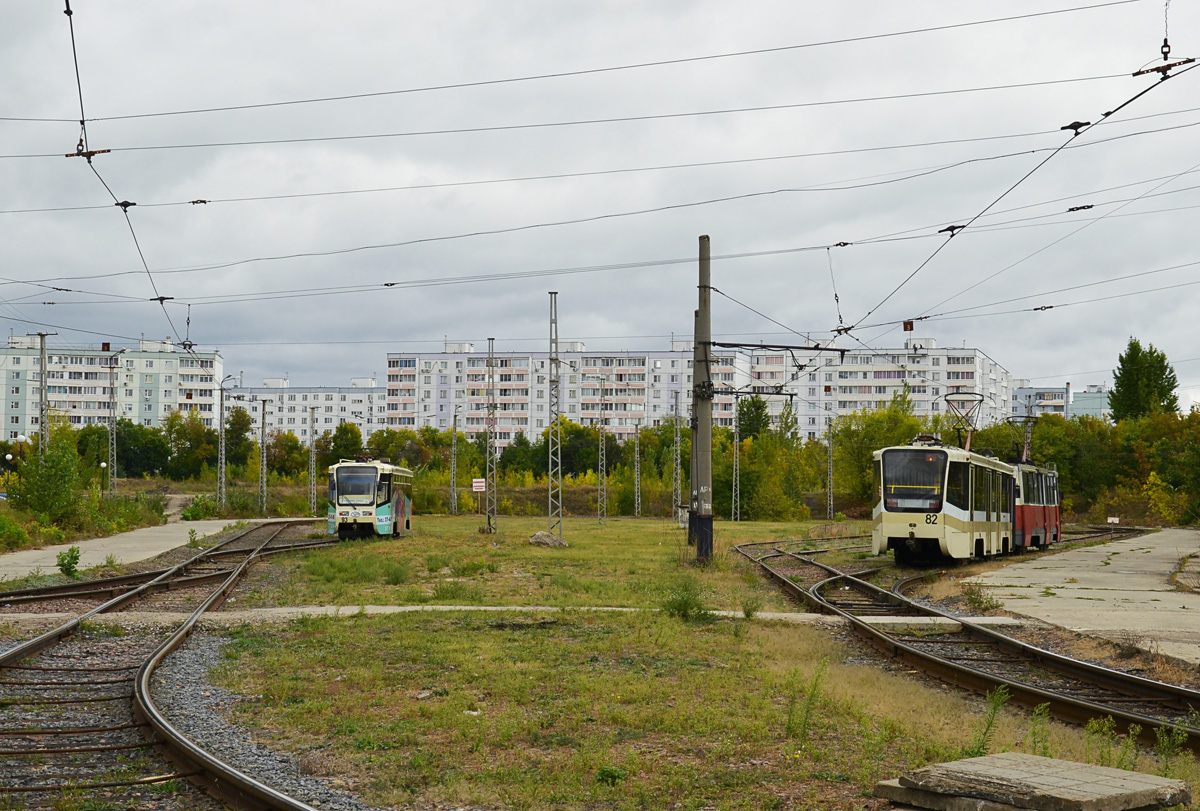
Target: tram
{"x":936,"y":501}
{"x":368,"y":498}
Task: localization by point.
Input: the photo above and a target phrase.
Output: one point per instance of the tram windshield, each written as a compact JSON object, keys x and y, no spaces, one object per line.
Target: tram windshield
{"x":356,"y":485}
{"x":912,"y":480}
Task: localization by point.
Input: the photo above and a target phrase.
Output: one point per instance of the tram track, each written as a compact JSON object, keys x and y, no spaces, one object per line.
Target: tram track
{"x":977,"y":658}
{"x":80,"y":720}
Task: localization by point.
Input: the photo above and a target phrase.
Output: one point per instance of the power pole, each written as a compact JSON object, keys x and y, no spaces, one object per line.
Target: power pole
{"x":491,"y":437}
{"x":43,"y":401}
{"x":702,"y":397}
{"x":737,"y":465}
{"x":262,"y":460}
{"x":312,"y":459}
{"x":637,"y":470}
{"x":677,"y":463}
{"x":829,"y":481}
{"x":554,"y":437}
{"x":602,"y":463}
{"x":454,"y":464}
{"x":112,"y":420}
{"x":221,"y":446}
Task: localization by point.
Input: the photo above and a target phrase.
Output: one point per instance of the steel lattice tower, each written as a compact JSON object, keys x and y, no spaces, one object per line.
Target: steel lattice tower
{"x":491,"y":437}
{"x":737,"y":465}
{"x":554,"y":437}
{"x":677,"y":453}
{"x":312,"y":459}
{"x":637,"y":470}
{"x":454,"y":464}
{"x":602,"y":463}
{"x":262,"y":461}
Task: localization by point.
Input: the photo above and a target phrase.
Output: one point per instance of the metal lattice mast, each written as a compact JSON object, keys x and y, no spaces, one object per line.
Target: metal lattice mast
{"x":491,"y":437}
{"x":221,"y":446}
{"x":262,"y":461}
{"x":602,"y":464}
{"x":677,"y":454}
{"x":43,"y":400}
{"x":454,"y":464}
{"x":112,"y":421}
{"x":637,"y":470}
{"x":312,"y":459}
{"x":737,"y":465}
{"x":554,"y":437}
{"x":829,"y":482}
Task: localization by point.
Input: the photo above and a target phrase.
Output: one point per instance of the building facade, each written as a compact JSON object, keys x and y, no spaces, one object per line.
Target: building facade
{"x":1035,"y":401}
{"x":641,"y":388}
{"x":290,"y":408}
{"x":87,"y":385}
{"x":1091,"y":402}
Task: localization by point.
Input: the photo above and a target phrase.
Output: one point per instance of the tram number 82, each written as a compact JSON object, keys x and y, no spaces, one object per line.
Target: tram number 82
{"x":931,"y":518}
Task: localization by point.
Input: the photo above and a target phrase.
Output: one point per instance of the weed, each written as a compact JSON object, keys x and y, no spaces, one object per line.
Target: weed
{"x":110,"y":561}
{"x":435,"y":563}
{"x":200,"y":508}
{"x":1169,"y":742}
{"x":684,"y":600}
{"x":610,"y":775}
{"x":456,"y":591}
{"x":1127,"y":754}
{"x":396,"y":573}
{"x":68,"y":562}
{"x":1037,"y":740}
{"x":751,"y":605}
{"x":979,"y":598}
{"x":468,"y":568}
{"x":101,"y":628}
{"x":800,"y":715}
{"x":982,"y":741}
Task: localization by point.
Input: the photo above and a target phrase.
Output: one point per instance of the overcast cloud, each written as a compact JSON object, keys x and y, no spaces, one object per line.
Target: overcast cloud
{"x":156,"y":57}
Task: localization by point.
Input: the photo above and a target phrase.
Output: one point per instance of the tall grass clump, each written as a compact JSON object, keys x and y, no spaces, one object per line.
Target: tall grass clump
{"x":800,"y":713}
{"x":684,"y":600}
{"x":982,"y":741}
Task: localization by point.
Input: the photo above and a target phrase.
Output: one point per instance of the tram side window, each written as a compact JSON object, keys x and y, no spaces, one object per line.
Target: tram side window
{"x":1006,"y":492}
{"x":1041,"y":488}
{"x":958,"y":484}
{"x":332,"y":489}
{"x":996,"y":481}
{"x":1029,"y":491}
{"x":877,"y":469}
{"x":383,"y":493}
{"x":979,"y":492}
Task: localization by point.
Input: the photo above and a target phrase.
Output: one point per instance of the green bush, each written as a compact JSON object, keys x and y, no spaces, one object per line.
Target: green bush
{"x":201,"y":507}
{"x":68,"y":562}
{"x":12,"y":534}
{"x":685,"y":600}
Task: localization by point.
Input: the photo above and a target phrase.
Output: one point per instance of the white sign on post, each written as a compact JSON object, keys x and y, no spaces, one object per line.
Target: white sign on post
{"x":1114,"y":520}
{"x":478,"y":485}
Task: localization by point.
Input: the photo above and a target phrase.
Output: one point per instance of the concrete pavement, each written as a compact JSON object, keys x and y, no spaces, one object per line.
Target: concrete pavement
{"x":1121,"y":591}
{"x":126,"y":547}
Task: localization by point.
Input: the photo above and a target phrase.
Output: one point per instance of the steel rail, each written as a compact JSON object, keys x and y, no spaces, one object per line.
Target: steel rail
{"x":1065,"y":707}
{"x":219,"y":778}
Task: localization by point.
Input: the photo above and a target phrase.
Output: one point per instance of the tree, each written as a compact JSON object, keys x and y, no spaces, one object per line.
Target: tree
{"x":754,"y":416}
{"x":192,"y":445}
{"x":239,"y":427}
{"x":347,"y":442}
{"x":1143,"y":383}
{"x":285,"y":455}
{"x":140,"y":449}
{"x":857,"y":436}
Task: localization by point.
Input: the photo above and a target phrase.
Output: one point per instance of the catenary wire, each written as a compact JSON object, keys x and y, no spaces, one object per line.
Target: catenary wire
{"x":600,"y":70}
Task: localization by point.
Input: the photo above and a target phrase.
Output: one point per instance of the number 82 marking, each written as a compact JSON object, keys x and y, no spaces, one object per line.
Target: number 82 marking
{"x":931,"y":518}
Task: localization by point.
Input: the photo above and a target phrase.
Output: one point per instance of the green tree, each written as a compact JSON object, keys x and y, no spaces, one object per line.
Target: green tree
{"x":141,"y":449}
{"x":285,"y":455}
{"x":754,"y":416}
{"x":1143,"y":383}
{"x":239,"y":427}
{"x":347,"y":442}
{"x":48,"y":484}
{"x":192,"y":445}
{"x":857,"y":436}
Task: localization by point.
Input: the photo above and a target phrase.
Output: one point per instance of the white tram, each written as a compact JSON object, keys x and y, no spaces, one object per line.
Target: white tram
{"x":369,"y":498}
{"x":933,"y":500}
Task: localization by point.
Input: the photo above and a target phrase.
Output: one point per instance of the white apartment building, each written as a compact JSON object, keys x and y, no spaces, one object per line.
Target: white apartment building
{"x":289,"y":408}
{"x":85,"y":384}
{"x":1036,"y":401}
{"x":640,"y":387}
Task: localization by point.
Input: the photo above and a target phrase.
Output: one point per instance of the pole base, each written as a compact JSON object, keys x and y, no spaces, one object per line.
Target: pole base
{"x":691,"y":527}
{"x":704,"y":538}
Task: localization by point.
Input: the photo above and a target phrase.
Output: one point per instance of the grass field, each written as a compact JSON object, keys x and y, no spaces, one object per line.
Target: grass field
{"x":643,"y":709}
{"x":625,"y":563}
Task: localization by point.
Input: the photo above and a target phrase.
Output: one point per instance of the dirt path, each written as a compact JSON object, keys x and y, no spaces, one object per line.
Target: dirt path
{"x":175,"y":504}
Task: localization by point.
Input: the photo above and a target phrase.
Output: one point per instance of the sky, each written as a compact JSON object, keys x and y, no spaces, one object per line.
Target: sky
{"x":451,"y":163}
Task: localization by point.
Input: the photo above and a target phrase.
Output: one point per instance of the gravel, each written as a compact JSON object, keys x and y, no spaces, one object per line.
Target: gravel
{"x":198,"y":708}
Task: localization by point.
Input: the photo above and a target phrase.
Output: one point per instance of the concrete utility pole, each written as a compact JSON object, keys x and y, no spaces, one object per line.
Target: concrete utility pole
{"x":312,"y":458}
{"x":677,"y":464}
{"x":736,"y":514}
{"x":554,"y":436}
{"x":43,"y":401}
{"x":112,"y":420}
{"x":491,"y":438}
{"x":829,"y":481}
{"x":637,"y":470}
{"x":602,"y":462}
{"x":701,"y":528}
{"x":262,"y":461}
{"x":454,"y":463}
{"x":221,"y":441}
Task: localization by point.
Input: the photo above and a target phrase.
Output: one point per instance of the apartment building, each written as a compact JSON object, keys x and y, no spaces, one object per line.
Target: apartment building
{"x":639,"y":388}
{"x":290,"y":408}
{"x":86,"y":384}
{"x":1039,"y":400}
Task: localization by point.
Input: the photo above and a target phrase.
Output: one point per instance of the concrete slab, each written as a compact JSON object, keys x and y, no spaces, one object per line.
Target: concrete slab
{"x":126,"y":547}
{"x":1120,"y":591}
{"x":1017,"y":780}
